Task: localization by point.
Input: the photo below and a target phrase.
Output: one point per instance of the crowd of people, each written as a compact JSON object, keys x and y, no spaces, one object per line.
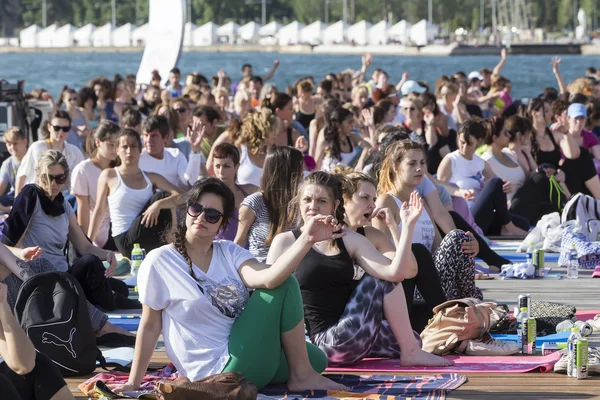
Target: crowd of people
{"x":343,"y":209}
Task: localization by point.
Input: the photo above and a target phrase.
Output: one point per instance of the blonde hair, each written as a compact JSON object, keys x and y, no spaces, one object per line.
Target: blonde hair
{"x":48,"y":159}
{"x":255,"y":128}
{"x":13,"y":134}
{"x":581,"y":85}
{"x":393,"y":156}
{"x":358,"y":90}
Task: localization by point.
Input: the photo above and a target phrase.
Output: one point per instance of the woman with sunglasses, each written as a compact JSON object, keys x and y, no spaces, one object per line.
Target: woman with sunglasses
{"x":138,"y":215}
{"x":196,"y":292}
{"x":59,"y":125}
{"x":42,"y":217}
{"x":80,"y":126}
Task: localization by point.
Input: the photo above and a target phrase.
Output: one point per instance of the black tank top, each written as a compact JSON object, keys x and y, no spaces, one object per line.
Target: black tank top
{"x":551,"y":157}
{"x":304,"y":119}
{"x":326,"y":284}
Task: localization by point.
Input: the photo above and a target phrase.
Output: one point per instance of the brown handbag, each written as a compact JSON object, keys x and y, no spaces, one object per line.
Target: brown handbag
{"x":455,"y":323}
{"x":225,"y":386}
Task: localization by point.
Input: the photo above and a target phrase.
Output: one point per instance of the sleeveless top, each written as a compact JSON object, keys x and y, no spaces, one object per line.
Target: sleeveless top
{"x":467,"y":174}
{"x":304,"y":119}
{"x":231,"y":231}
{"x":125,"y":204}
{"x":248,"y":173}
{"x":514,"y":175}
{"x":329,"y":163}
{"x":551,"y":157}
{"x":424,"y":230}
{"x":326,"y":284}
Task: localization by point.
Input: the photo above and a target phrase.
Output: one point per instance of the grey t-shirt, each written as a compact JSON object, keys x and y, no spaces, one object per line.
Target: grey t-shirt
{"x":259,"y":231}
{"x":8,"y":173}
{"x":50,"y":233}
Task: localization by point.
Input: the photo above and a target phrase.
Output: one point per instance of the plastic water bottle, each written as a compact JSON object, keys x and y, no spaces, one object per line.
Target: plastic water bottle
{"x":573,"y":264}
{"x":137,"y":256}
{"x":520,"y":318}
{"x":571,"y":351}
{"x":529,"y":255}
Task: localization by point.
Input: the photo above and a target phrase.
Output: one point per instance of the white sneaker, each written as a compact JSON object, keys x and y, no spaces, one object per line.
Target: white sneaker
{"x":561,"y":365}
{"x":595,"y":323}
{"x":593,"y":362}
{"x":488,"y":346}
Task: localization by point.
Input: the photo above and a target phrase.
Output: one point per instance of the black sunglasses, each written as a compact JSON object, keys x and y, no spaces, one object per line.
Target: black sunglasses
{"x":211,"y":215}
{"x":59,"y":179}
{"x":63,"y":128}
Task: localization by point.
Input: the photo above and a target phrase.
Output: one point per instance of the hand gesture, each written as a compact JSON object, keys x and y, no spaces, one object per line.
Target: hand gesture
{"x":471,"y":247}
{"x":31,"y":253}
{"x":410,"y":212}
{"x":429,"y":118}
{"x":301,"y":144}
{"x":110,"y":271}
{"x":549,"y":172}
{"x":558,"y":127}
{"x":467,"y":194}
{"x":367,"y":116}
{"x":507,"y":187}
{"x":195,"y":135}
{"x":385,"y":215}
{"x":555,"y":63}
{"x":150,"y":216}
{"x":405,"y":76}
{"x":221,"y":74}
{"x":83,"y":131}
{"x":276,"y":64}
{"x":367,"y":59}
{"x":3,"y":294}
{"x":322,"y":227}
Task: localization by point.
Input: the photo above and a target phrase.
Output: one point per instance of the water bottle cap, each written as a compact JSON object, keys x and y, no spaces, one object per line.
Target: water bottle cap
{"x":574,"y":329}
{"x":524,"y":309}
{"x":136,"y":245}
{"x":532,"y":243}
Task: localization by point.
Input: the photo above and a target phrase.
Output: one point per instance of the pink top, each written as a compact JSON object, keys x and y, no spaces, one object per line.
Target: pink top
{"x":505,"y":97}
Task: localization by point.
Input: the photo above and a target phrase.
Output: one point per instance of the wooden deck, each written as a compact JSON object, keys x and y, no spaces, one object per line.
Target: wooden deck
{"x":584,"y":293}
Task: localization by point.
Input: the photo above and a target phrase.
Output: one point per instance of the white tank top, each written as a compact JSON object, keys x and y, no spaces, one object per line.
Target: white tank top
{"x":515,"y":175}
{"x":424,"y":230}
{"x":467,"y":174}
{"x":329,"y":163}
{"x":125,"y":204}
{"x":248,"y":173}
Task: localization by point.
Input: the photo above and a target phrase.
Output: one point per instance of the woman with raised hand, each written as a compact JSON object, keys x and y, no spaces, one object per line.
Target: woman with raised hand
{"x":348,"y":316}
{"x":138,"y":214}
{"x":196,"y":292}
{"x":265,"y":214}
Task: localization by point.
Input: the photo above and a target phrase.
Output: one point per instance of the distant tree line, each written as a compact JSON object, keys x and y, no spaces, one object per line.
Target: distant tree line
{"x":549,"y":14}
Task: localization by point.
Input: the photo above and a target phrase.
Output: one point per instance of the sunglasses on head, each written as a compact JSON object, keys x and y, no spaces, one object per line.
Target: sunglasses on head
{"x":211,"y":215}
{"x":59,"y":179}
{"x":59,"y":128}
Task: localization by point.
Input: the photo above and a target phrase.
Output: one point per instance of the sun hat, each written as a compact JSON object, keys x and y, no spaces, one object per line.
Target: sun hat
{"x":475,"y":75}
{"x":411,"y":87}
{"x":577,"y":110}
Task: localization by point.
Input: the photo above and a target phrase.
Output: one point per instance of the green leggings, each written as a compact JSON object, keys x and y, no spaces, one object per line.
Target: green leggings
{"x":255,"y":341}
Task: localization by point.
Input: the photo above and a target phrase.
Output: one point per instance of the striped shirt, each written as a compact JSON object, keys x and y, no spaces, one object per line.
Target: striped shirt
{"x":259,"y":231}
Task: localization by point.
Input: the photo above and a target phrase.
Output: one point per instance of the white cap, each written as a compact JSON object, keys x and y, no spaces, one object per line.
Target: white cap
{"x":475,"y":75}
{"x":411,"y":87}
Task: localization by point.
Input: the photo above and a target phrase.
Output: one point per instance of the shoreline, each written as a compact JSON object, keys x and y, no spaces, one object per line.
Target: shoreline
{"x":398,"y":50}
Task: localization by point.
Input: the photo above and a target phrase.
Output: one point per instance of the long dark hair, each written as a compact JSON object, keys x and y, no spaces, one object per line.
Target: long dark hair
{"x":200,"y":188}
{"x":102,"y":132}
{"x":282,"y":174}
{"x":332,"y":130}
{"x":536,"y":105}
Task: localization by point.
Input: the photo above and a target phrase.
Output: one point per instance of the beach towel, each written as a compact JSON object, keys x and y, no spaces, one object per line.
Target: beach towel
{"x":383,"y":387}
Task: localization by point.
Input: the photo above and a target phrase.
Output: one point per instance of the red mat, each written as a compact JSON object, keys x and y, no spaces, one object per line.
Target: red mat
{"x":463,"y":364}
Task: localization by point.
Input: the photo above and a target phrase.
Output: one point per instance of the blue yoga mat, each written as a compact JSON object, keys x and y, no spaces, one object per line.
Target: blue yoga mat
{"x":521,"y":257}
{"x":557,"y":337}
{"x":130,"y":324}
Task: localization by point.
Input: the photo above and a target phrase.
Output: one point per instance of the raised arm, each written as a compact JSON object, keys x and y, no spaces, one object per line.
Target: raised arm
{"x":270,"y":74}
{"x":559,"y":79}
{"x":498,"y":68}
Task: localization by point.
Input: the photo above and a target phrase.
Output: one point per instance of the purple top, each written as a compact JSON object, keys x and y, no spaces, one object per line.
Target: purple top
{"x":231,"y":231}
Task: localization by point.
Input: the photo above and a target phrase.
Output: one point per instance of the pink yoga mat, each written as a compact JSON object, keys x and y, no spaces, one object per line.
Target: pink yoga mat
{"x":584,"y":315}
{"x":463,"y":364}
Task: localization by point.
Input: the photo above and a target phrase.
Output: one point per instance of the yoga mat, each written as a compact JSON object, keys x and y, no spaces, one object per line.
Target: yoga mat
{"x":463,"y":364}
{"x":382,"y":387}
{"x":557,"y":337}
{"x":584,"y":315}
{"x":129,"y":324}
{"x":521,"y":257}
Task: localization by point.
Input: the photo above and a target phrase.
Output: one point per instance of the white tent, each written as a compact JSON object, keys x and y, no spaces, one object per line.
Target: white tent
{"x":228,"y":31}
{"x":121,"y":37}
{"x":205,"y":35}
{"x":82,"y":37}
{"x":290,"y":34}
{"x":270,"y":29}
{"x":63,"y":37}
{"x":335,"y":33}
{"x":358,"y":33}
{"x":139,"y":36}
{"x":28,"y":36}
{"x":423,"y":33}
{"x":378,"y":34}
{"x":188,"y":29}
{"x":313,"y":33}
{"x":249,"y":33}
{"x":45,"y":37}
{"x":102,"y":37}
{"x":400,"y":31}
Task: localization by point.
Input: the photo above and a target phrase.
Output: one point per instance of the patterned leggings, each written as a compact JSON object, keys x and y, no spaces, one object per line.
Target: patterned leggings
{"x":455,"y":269}
{"x":361,"y":331}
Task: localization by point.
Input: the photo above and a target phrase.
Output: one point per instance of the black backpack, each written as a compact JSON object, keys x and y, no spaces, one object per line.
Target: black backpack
{"x":52,"y":309}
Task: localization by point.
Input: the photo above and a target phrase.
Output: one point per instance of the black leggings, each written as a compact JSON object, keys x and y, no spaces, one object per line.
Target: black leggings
{"x":43,"y":382}
{"x":148,"y":238}
{"x":532,"y":201}
{"x":485,"y":252}
{"x":428,"y":284}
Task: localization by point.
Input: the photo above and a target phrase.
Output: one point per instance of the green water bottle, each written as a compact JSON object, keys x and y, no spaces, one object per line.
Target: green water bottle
{"x":137,"y":256}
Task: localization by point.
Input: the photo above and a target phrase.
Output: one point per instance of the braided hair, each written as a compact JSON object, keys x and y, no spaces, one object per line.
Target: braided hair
{"x":200,"y":188}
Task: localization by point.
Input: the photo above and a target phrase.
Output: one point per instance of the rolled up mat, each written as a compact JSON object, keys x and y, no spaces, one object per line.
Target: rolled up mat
{"x":557,"y":337}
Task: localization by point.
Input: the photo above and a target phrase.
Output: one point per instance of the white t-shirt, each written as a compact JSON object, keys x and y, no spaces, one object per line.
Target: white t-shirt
{"x":514,"y":175}
{"x":424,"y":229}
{"x":173,"y":166}
{"x":27,"y":168}
{"x":196,"y":326}
{"x":84,"y":182}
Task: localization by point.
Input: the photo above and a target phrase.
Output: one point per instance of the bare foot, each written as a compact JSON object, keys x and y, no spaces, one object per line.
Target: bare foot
{"x":314,"y":381}
{"x":420,"y":358}
{"x":110,"y":328}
